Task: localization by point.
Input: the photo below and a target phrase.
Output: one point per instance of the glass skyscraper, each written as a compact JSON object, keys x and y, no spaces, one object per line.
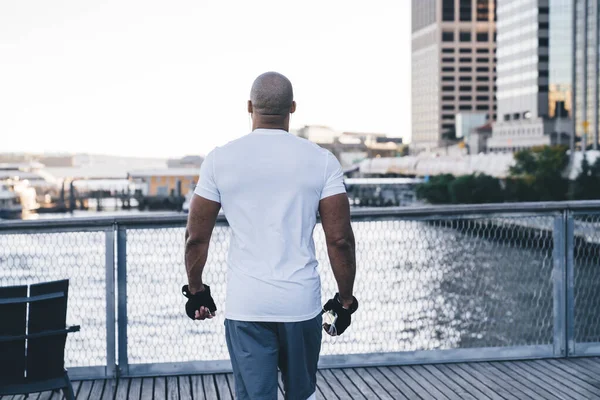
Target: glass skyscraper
{"x":534,"y":74}
{"x":586,"y":45}
{"x":560,"y":68}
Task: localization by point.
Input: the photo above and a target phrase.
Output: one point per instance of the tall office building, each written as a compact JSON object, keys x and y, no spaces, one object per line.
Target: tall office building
{"x":586,"y":43}
{"x":534,"y":86}
{"x":453,"y":65}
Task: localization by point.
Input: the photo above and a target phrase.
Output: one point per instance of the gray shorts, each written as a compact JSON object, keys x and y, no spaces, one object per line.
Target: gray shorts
{"x":257,"y":349}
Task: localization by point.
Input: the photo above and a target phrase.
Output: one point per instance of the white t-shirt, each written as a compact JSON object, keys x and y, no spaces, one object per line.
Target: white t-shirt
{"x":269,"y":184}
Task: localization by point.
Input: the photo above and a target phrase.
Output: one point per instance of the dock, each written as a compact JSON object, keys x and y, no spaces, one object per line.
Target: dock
{"x":452,"y":306}
{"x":574,"y":378}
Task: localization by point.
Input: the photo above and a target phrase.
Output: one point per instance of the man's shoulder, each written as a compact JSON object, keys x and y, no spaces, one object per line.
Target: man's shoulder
{"x":310,"y":146}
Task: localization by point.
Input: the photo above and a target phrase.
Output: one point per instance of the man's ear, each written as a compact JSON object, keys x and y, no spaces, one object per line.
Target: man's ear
{"x":293,"y":108}
{"x":250,"y":106}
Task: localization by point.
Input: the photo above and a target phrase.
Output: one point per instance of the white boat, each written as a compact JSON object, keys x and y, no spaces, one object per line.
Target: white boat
{"x":10,"y":204}
{"x":186,"y":204}
{"x":26,"y":193}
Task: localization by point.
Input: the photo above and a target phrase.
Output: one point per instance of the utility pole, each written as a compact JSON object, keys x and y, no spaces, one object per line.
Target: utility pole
{"x":573,"y":85}
{"x":585,"y":122}
{"x":596,"y":65}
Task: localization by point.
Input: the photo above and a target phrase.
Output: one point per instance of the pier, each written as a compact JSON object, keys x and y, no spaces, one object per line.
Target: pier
{"x":454,"y":305}
{"x":536,"y":379}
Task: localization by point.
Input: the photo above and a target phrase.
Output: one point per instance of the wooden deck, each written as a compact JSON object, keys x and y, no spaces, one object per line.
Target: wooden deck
{"x":574,"y":378}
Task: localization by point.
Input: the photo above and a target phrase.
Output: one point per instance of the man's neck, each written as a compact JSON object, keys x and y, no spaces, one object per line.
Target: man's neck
{"x":270,"y":122}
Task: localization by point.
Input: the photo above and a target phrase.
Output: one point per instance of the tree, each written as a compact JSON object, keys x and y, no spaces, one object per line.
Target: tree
{"x":542,"y":168}
{"x":587,"y":184}
{"x":475,"y":189}
{"x":435,"y":191}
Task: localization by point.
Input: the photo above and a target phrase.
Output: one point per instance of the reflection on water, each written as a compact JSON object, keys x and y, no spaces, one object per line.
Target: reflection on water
{"x":420,"y":285}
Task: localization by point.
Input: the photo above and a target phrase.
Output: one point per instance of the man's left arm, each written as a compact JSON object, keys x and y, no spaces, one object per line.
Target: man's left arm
{"x":201,"y":221}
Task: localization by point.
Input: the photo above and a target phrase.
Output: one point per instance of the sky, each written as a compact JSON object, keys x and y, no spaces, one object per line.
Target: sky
{"x":153,"y":78}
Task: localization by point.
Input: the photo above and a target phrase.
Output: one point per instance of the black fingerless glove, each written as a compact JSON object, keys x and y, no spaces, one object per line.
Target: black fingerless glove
{"x":343,"y":315}
{"x":200,"y":299}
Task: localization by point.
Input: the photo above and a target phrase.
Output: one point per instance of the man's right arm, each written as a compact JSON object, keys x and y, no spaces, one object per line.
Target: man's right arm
{"x":335,"y":218}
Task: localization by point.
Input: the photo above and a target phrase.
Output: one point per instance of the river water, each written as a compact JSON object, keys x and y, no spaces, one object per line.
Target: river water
{"x":421,"y":286}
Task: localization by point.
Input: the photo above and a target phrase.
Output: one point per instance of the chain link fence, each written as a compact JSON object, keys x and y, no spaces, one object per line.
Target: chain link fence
{"x":423,"y":283}
{"x":586,"y":269}
{"x":30,"y":258}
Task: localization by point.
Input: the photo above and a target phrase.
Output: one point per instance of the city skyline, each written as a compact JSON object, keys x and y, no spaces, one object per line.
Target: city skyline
{"x":149,"y":80}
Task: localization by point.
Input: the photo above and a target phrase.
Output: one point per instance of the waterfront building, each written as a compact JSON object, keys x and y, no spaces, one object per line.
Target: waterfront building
{"x":534,"y":84}
{"x":453,"y":66}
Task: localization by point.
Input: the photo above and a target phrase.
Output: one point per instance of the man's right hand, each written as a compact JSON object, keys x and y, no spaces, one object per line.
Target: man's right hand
{"x":343,"y":314}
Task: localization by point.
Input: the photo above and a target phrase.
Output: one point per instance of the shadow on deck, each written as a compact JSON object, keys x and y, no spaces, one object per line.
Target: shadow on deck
{"x":573,"y":378}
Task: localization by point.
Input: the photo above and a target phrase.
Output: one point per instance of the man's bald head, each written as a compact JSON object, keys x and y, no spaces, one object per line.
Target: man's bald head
{"x":272,"y":94}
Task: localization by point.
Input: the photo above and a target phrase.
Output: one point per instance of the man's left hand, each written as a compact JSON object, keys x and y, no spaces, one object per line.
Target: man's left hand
{"x":200,"y":305}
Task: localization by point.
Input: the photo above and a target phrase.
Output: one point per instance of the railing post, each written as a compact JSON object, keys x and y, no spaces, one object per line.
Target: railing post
{"x":570,"y":284}
{"x":122,"y":297}
{"x":559,"y":284}
{"x":110,"y":304}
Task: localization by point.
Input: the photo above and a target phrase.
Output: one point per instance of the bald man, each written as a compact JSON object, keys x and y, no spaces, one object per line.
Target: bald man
{"x":271,"y":184}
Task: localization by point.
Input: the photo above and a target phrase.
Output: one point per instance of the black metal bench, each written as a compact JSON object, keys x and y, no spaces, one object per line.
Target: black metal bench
{"x":33,"y":334}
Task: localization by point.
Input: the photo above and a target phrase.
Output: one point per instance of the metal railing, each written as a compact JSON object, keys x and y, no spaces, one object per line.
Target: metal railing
{"x":452,"y":283}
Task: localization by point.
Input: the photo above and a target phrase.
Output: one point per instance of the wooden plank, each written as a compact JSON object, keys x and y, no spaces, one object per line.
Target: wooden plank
{"x":466,"y":385}
{"x":493,"y":390}
{"x":147,"y":389}
{"x":489,"y":390}
{"x":326,"y":390}
{"x":85,"y":389}
{"x":343,"y":381}
{"x":76,"y":387}
{"x":97,"y":389}
{"x":386,"y":384}
{"x":185,"y":388}
{"x":570,"y":377}
{"x":160,"y":388}
{"x":398,"y":383}
{"x":428,"y":386}
{"x":373,"y":384}
{"x":45,"y":395}
{"x":110,"y":388}
{"x":436,"y":376}
{"x":210,"y":390}
{"x":360,"y":384}
{"x":588,"y":363}
{"x":197,"y":387}
{"x":223,"y":387}
{"x":590,"y":369}
{"x":519,"y":382}
{"x":281,"y":391}
{"x":135,"y":389}
{"x":231,"y":383}
{"x":520,"y":385}
{"x":334,"y":384}
{"x":346,"y":383}
{"x":475,"y":370}
{"x":433,"y":382}
{"x":540,"y":379}
{"x":122,"y":389}
{"x":49,"y":394}
{"x":399,"y":375}
{"x":172,"y":388}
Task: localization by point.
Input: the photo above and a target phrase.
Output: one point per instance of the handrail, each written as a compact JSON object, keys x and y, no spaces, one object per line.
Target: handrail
{"x":564,"y":243}
{"x":175,"y":218}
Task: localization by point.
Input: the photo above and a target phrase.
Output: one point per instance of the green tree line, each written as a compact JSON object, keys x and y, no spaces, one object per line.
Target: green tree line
{"x":539,"y":174}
